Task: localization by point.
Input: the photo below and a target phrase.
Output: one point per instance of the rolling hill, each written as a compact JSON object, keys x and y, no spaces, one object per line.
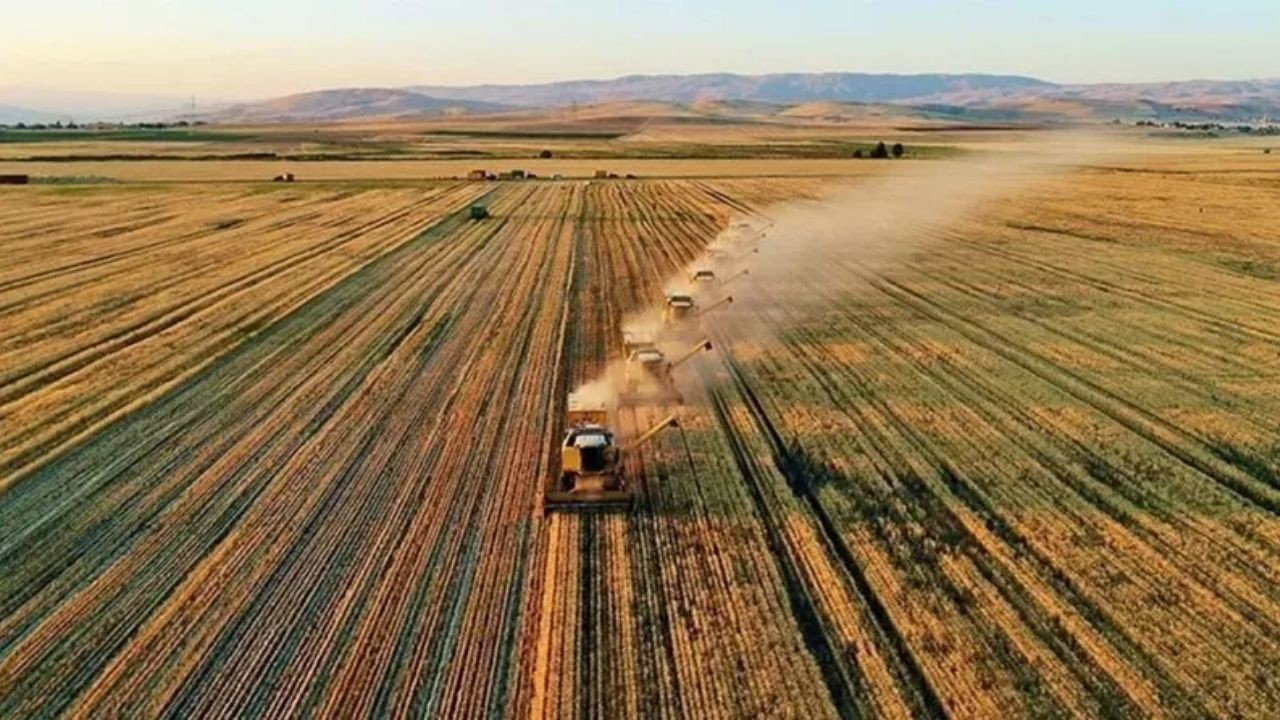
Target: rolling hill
{"x":1009,"y":97}
{"x":349,"y":103}
{"x":813,"y":96}
{"x":782,"y":88}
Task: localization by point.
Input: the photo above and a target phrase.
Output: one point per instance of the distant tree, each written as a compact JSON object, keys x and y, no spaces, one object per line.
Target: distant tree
{"x":880,"y":152}
{"x":544,"y":154}
{"x":20,"y":126}
{"x":857,"y":154}
{"x":1267,"y":151}
{"x":897,"y":150}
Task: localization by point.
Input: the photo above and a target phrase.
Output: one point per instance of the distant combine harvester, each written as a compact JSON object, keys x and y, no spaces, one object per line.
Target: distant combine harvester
{"x":15,"y":179}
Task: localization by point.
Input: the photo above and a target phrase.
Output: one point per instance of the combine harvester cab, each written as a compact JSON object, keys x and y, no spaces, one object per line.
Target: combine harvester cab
{"x":591,"y":462}
{"x":680,"y":315}
{"x":705,"y":282}
{"x":704,"y":277}
{"x":650,"y":377}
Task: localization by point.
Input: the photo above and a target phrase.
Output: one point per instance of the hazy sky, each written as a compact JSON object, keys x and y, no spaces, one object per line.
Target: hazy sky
{"x":235,"y":49}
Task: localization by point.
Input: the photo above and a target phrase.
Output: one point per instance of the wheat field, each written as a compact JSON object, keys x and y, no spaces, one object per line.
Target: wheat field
{"x":276,"y":450}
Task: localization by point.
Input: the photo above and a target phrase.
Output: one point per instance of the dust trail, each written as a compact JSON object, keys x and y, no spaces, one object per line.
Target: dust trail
{"x":817,"y":251}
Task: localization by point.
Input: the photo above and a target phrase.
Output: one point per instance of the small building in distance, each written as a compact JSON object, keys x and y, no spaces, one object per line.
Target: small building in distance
{"x":602,"y":173}
{"x":478,"y":175}
{"x":283,"y":177}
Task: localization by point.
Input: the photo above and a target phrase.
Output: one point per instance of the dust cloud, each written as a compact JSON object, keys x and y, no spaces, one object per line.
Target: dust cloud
{"x":600,"y":391}
{"x":818,"y":251}
{"x":790,"y":263}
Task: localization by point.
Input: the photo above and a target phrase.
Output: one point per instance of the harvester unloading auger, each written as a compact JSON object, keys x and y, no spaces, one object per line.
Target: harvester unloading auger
{"x":649,"y":378}
{"x":592,"y":469}
{"x":717,"y":304}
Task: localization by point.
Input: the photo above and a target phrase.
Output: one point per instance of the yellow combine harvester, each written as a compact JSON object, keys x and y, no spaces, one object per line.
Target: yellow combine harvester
{"x":680,"y":316}
{"x":680,"y":309}
{"x":704,"y":276}
{"x":648,"y":375}
{"x":707,"y":279}
{"x":591,"y":463}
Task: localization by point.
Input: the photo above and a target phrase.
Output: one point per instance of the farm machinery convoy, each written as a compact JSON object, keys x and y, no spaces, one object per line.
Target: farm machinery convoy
{"x":593,"y":465}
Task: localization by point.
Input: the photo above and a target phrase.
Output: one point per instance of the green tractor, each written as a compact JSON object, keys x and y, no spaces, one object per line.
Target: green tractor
{"x":479,"y":212}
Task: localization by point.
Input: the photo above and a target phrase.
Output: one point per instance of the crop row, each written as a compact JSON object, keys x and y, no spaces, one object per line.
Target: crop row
{"x":279,"y":453}
{"x":989,"y":433}
{"x":97,"y":322}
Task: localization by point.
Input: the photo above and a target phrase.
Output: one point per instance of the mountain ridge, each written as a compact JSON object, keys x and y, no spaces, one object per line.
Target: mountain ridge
{"x":787,"y":88}
{"x":349,"y":103}
{"x":960,"y":96}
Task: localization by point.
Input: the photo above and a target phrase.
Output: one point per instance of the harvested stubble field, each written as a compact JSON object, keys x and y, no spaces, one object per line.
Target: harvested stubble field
{"x":276,"y":451}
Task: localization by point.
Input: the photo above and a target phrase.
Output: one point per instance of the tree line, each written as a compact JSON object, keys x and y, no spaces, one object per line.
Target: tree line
{"x":882,"y":151}
{"x":72,"y":125}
